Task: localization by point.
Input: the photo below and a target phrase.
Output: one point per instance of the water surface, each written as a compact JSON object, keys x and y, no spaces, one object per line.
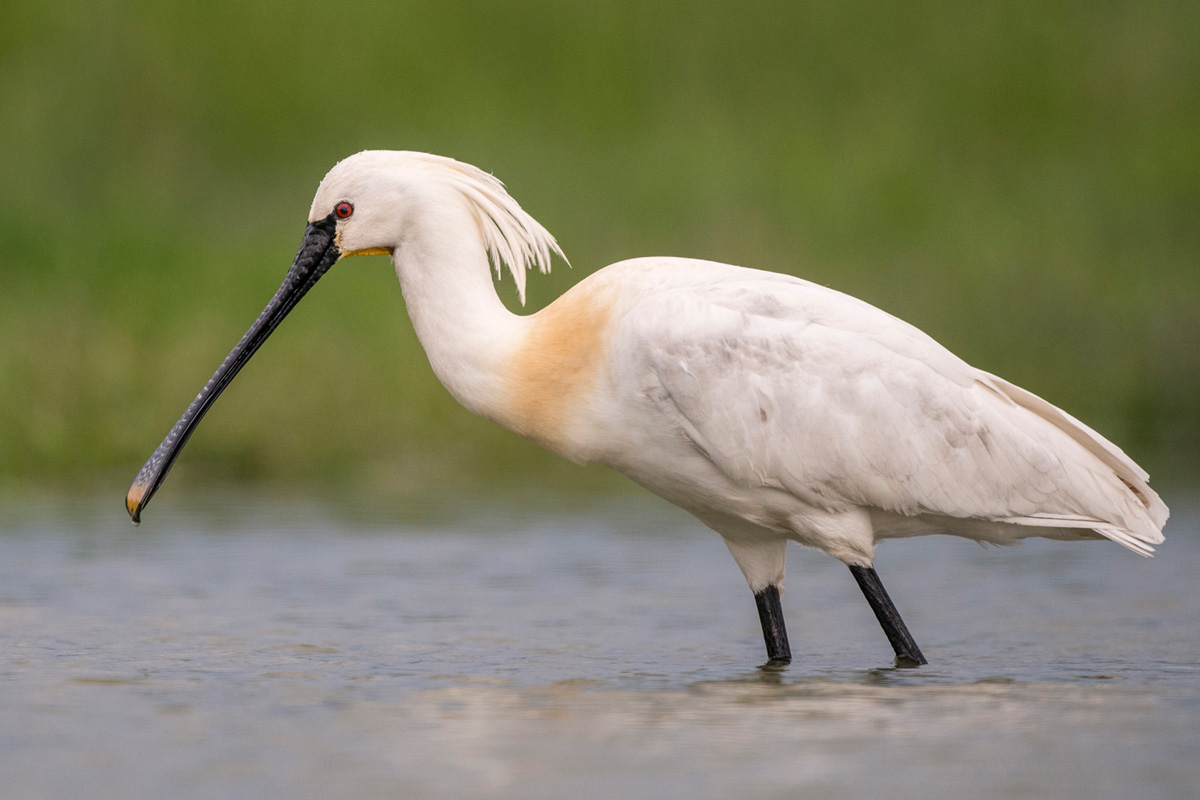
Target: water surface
{"x":260,"y":648}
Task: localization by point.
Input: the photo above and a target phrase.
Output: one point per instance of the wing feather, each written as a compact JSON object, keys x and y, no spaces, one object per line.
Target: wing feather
{"x":791,"y":385}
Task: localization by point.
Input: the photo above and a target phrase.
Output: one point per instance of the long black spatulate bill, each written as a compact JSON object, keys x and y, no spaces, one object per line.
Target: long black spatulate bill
{"x":317,"y":254}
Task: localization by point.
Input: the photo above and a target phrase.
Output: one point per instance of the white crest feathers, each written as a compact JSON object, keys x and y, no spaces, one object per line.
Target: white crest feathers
{"x":511,"y":235}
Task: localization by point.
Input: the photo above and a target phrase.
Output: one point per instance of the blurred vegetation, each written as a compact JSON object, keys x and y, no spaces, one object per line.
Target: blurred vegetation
{"x":1020,"y":179}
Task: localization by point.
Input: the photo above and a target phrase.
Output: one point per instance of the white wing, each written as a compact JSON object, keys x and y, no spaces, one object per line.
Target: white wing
{"x":791,"y":385}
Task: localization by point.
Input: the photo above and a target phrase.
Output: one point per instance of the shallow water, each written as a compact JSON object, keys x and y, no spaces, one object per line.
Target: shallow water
{"x":254,"y":648}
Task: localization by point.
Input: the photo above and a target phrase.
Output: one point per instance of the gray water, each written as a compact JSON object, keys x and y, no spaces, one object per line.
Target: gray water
{"x":263,"y":648}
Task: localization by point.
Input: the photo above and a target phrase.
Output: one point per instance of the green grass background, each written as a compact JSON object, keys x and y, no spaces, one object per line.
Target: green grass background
{"x":1019,"y":179}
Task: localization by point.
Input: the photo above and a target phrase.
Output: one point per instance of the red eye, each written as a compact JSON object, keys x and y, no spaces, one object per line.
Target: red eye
{"x":343,"y":210}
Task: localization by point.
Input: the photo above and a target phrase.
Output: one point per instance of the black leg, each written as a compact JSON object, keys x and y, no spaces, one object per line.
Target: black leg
{"x":770,"y":613}
{"x":907,"y":652}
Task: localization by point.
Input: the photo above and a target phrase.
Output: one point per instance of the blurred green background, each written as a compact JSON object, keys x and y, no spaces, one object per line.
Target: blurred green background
{"x":1021,"y":180}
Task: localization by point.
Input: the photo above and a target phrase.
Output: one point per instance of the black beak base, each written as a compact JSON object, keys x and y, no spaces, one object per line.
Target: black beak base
{"x":317,"y":254}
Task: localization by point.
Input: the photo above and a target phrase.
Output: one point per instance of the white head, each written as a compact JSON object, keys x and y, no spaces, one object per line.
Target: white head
{"x":378,"y":198}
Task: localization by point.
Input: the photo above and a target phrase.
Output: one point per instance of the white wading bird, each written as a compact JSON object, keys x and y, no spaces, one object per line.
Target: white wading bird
{"x":770,"y":408}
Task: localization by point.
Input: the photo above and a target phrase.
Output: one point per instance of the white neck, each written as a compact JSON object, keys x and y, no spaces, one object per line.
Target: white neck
{"x":466,"y":331}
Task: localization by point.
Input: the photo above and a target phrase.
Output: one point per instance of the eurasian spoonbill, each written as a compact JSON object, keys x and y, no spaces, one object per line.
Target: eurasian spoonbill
{"x":771,"y":408}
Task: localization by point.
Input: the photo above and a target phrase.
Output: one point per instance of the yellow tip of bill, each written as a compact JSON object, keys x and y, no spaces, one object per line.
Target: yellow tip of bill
{"x":133,"y":502}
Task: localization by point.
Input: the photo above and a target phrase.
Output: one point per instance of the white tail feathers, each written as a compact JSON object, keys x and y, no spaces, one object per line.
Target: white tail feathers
{"x":1139,"y":514}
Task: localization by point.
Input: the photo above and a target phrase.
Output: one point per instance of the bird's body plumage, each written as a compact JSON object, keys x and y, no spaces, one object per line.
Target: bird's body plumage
{"x":771,"y":408}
